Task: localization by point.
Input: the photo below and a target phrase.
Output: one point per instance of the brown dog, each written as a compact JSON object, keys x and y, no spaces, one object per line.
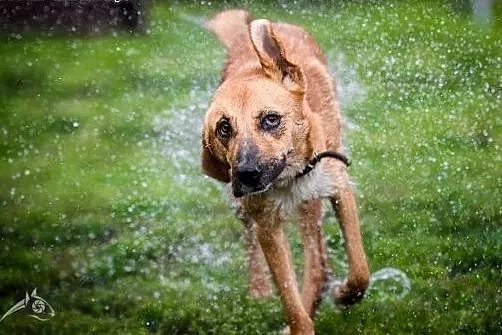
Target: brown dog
{"x":273,"y":112}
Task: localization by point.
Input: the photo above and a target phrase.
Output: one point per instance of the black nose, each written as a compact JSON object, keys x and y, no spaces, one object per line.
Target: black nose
{"x":249,"y":174}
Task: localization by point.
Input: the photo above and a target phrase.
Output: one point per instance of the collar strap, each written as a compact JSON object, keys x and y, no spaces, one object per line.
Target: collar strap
{"x":317,"y":158}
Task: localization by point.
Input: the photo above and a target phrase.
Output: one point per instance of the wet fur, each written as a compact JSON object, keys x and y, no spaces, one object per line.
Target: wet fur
{"x":280,"y":67}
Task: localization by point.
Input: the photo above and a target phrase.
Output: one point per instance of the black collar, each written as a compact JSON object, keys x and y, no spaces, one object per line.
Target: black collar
{"x":317,"y":158}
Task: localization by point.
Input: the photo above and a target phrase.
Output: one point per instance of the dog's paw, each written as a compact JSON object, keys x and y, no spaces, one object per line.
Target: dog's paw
{"x":343,"y":295}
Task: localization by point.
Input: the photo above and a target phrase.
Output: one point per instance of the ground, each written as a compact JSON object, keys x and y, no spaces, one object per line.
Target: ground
{"x":105,"y":211}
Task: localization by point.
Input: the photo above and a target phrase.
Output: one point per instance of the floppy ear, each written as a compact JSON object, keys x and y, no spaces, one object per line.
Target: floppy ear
{"x":272,"y":56}
{"x":212,"y":166}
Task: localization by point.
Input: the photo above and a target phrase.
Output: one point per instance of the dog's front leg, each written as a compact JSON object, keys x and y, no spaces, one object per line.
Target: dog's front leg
{"x":272,"y":240}
{"x":357,"y":281}
{"x":315,"y":268}
{"x":260,"y":283}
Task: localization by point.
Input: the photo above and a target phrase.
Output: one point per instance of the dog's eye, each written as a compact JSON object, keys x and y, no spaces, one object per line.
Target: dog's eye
{"x":224,"y":130}
{"x":270,"y":121}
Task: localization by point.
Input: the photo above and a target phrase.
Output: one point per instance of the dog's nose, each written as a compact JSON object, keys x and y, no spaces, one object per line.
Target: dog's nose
{"x":249,"y":174}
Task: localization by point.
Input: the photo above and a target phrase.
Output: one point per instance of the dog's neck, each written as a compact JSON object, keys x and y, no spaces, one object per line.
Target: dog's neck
{"x":287,"y":194}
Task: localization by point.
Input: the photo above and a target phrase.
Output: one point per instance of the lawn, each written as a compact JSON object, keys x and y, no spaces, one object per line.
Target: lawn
{"x":104,"y":209}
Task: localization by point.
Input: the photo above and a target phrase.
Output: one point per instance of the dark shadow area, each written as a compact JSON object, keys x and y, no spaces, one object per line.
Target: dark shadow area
{"x":72,"y":17}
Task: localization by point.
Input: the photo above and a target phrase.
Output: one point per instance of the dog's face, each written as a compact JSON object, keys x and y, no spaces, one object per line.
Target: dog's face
{"x":255,"y":131}
{"x":251,"y":128}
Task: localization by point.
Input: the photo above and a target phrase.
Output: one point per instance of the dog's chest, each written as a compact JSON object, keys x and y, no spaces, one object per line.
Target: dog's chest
{"x":315,"y":185}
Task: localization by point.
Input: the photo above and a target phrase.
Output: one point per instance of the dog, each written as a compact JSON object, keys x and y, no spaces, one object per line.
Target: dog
{"x":273,"y":132}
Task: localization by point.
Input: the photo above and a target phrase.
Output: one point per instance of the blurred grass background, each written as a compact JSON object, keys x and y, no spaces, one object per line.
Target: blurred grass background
{"x":104,"y":208}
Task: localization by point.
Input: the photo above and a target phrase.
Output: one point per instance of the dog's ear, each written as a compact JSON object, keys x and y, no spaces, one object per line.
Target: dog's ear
{"x":212,"y":166}
{"x":273,"y":57}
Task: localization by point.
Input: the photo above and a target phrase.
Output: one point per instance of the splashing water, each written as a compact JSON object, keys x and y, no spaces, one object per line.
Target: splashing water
{"x":348,"y":86}
{"x":180,"y":135}
{"x":385,"y":285}
{"x":389,"y":284}
{"x":196,"y":20}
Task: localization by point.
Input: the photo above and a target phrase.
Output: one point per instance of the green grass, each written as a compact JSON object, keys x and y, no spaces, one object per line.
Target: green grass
{"x":104,"y":208}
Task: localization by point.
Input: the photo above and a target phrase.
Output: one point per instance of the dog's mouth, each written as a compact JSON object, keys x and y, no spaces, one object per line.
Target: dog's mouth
{"x":254,"y":191}
{"x":262,"y":180}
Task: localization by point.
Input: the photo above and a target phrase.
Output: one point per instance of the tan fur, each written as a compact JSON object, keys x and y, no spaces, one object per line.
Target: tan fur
{"x":279,"y":67}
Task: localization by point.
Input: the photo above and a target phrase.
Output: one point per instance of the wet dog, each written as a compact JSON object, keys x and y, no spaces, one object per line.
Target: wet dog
{"x":272,"y":117}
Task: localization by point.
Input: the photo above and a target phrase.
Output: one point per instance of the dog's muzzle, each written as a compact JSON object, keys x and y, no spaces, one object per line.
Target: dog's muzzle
{"x":250,"y":175}
{"x":248,"y":179}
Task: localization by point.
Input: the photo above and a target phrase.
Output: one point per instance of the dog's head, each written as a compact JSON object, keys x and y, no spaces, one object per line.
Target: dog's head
{"x":255,"y":132}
